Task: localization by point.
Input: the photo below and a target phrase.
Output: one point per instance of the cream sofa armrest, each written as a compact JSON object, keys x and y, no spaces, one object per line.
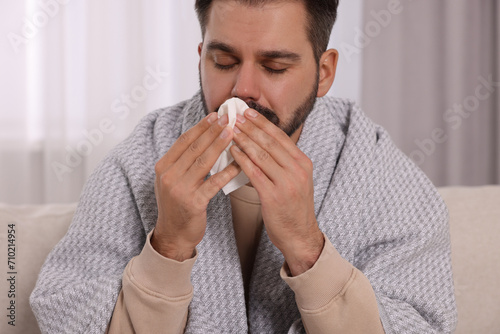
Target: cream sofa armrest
{"x":37,"y":230}
{"x":475,"y":239}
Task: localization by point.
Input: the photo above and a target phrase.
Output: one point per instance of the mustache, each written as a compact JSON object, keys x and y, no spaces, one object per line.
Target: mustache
{"x":266,"y":112}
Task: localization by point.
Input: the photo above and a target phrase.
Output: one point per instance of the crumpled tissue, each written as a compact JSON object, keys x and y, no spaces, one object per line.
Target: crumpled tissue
{"x":231,"y":107}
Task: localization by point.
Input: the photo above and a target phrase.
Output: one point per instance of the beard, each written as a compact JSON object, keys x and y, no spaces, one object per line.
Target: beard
{"x":299,"y":115}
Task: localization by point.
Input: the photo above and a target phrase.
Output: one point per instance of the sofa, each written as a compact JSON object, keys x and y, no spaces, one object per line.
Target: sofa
{"x":475,"y":238}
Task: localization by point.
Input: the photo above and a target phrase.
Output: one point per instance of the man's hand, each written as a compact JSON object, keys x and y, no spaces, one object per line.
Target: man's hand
{"x":182,"y":194}
{"x":282,"y":176}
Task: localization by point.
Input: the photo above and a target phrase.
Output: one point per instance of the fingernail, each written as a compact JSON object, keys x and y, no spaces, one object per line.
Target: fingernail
{"x":225,"y":133}
{"x":211,"y":118}
{"x":240,"y":118}
{"x":223,"y":120}
{"x":251,"y":113}
{"x":236,"y":130}
{"x":237,"y":149}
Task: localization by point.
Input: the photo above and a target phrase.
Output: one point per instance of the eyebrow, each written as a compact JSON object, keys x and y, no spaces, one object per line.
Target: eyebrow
{"x":272,"y":54}
{"x":280,"y":55}
{"x":215,"y":45}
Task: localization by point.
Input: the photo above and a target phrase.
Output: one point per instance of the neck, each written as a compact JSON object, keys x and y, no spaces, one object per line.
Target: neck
{"x":296,"y":135}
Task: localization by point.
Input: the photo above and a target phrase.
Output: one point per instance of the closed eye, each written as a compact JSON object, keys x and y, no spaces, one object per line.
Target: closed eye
{"x":224,"y":67}
{"x":275,"y":71}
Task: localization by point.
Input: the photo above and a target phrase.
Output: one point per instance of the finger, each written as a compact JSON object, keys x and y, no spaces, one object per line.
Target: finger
{"x":201,"y":144}
{"x":271,"y":129}
{"x":259,"y":180}
{"x":269,"y":144}
{"x":186,"y":139}
{"x":217,"y":181}
{"x":275,"y":132}
{"x":204,"y":162}
{"x":259,"y":156}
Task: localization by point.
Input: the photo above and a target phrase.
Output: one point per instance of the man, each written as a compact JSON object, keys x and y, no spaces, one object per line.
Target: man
{"x":337,"y":231}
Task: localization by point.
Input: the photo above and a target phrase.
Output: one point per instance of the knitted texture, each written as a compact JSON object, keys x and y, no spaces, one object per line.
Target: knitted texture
{"x":378,"y":209}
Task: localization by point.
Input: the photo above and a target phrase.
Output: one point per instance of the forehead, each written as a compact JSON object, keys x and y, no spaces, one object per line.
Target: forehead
{"x":275,"y":25}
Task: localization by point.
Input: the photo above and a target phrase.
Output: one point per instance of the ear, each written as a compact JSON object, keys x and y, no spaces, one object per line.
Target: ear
{"x":200,"y":48}
{"x":327,"y":70}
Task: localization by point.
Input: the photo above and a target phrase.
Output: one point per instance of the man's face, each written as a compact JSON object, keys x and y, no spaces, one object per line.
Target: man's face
{"x":263,"y":56}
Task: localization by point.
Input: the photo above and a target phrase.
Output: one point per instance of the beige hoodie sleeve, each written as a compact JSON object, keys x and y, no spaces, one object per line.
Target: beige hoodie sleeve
{"x":156,"y":292}
{"x":334,"y":297}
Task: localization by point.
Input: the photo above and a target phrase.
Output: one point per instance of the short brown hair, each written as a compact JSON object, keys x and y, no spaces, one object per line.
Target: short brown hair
{"x":321,"y":17}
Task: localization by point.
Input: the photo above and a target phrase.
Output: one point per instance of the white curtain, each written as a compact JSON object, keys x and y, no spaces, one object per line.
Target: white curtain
{"x":431,"y":77}
{"x":79,"y":74}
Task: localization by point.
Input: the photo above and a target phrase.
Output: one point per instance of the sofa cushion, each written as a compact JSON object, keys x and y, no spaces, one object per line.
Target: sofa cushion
{"x":37,"y":230}
{"x":475,"y":240}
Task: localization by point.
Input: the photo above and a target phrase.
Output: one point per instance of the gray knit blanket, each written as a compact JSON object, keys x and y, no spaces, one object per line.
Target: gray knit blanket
{"x":378,"y":209}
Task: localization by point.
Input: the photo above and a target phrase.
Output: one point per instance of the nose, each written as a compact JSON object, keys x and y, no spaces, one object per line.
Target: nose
{"x":246,"y":85}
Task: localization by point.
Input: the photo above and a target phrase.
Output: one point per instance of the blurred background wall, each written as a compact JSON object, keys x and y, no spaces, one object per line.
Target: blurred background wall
{"x":431,"y":77}
{"x":77,"y":76}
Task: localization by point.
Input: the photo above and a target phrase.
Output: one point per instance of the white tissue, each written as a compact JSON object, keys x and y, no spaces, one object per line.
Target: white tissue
{"x":231,"y":107}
